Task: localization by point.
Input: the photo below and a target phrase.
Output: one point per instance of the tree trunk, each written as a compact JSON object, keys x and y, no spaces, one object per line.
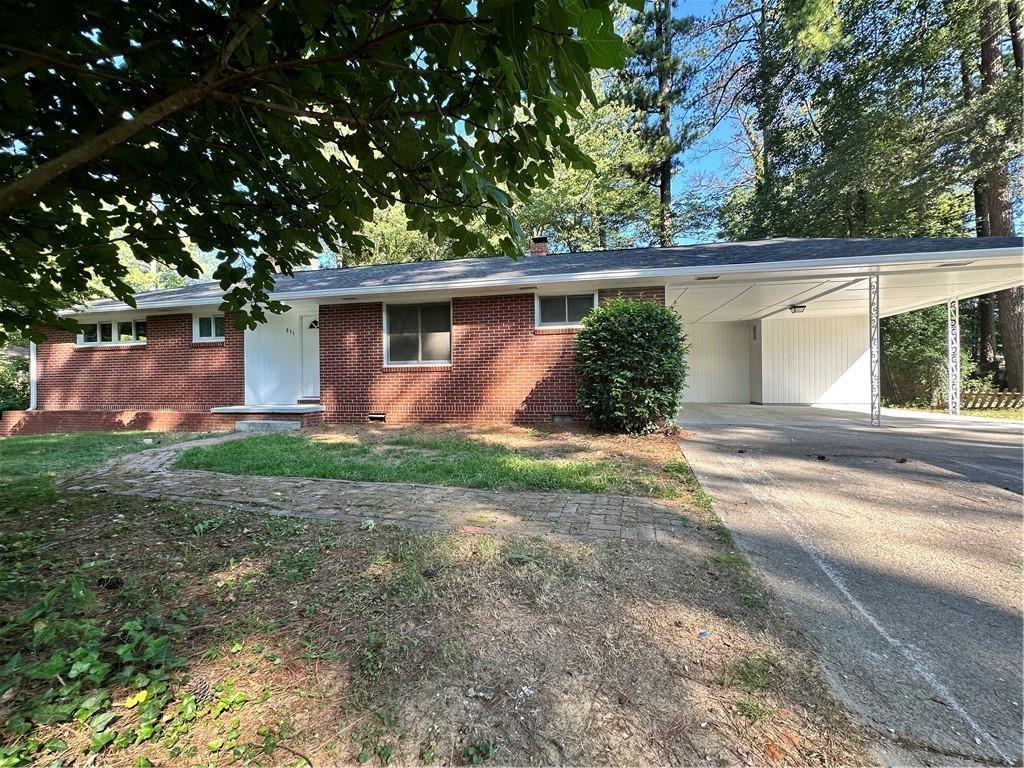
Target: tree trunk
{"x":1000,"y":210}
{"x":981,"y":225}
{"x":987,"y":303}
{"x":663,"y":31}
{"x":981,"y":222}
{"x":987,"y":333}
{"x":1011,"y":324}
{"x":1016,"y":34}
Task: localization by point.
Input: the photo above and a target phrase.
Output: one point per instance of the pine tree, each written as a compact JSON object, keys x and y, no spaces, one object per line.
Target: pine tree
{"x":997,"y":180}
{"x":654,"y":85}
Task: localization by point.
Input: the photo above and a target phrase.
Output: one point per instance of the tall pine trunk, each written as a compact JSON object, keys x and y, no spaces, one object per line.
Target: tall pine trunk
{"x":663,"y":31}
{"x":1000,"y":209}
{"x":1016,"y":33}
{"x":987,"y":303}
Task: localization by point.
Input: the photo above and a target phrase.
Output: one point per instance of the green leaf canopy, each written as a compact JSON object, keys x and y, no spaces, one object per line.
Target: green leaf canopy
{"x":268,"y":132}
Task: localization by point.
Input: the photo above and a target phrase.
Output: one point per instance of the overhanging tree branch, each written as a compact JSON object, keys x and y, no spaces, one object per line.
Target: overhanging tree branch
{"x":17,"y":193}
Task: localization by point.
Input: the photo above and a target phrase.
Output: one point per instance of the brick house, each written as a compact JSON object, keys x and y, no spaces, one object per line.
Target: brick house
{"x":491,"y":340}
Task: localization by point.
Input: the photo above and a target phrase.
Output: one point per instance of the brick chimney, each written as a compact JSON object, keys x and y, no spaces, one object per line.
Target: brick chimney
{"x":538,"y":246}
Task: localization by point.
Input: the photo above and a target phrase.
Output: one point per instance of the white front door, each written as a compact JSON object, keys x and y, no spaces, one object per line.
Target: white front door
{"x":273,"y":361}
{"x":310,"y":356}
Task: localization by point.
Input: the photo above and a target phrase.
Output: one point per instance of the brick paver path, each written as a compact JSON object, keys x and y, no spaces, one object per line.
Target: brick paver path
{"x":428,"y":507}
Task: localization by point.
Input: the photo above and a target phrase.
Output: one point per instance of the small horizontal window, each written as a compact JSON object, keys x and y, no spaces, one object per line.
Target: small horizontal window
{"x":564,"y":310}
{"x":209,"y":328}
{"x":120,"y":332}
{"x":419,"y":333}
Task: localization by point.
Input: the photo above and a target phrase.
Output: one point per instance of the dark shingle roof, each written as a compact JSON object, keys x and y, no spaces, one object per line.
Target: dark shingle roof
{"x":502,"y":269}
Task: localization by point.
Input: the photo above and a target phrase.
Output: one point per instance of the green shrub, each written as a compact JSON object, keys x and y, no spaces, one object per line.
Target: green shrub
{"x":13,"y":383}
{"x":631,"y":364}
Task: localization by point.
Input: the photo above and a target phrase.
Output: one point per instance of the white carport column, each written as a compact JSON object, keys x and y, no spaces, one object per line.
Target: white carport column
{"x":953,"y":357}
{"x":876,"y":352}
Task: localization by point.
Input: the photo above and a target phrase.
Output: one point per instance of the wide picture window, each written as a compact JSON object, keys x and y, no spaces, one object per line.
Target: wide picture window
{"x":121,"y":332}
{"x":419,"y":333}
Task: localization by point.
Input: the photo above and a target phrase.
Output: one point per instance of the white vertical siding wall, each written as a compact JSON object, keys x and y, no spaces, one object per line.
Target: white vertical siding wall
{"x":719,"y":363}
{"x":815,"y":361}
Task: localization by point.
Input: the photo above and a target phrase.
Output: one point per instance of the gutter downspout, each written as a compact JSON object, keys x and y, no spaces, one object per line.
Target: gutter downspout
{"x":32,"y":373}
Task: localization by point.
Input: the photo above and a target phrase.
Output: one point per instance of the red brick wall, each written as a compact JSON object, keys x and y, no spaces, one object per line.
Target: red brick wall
{"x":503,"y":368}
{"x":168,"y":372}
{"x":44,"y":422}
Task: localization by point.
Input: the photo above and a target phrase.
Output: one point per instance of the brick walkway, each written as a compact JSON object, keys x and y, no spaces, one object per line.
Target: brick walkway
{"x":407,"y":505}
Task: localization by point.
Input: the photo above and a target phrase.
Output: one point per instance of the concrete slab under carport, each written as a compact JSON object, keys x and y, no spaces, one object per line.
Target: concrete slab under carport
{"x":898,"y":551}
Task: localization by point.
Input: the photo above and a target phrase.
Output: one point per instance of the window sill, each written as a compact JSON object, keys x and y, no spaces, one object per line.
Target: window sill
{"x":555,"y":330}
{"x":207,"y":342}
{"x":415,"y":366}
{"x":111,"y":345}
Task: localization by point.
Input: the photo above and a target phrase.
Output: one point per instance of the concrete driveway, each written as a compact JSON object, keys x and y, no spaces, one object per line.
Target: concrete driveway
{"x":899,"y":552}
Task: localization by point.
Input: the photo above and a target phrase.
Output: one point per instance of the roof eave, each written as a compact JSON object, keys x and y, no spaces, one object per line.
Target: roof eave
{"x":590,"y":276}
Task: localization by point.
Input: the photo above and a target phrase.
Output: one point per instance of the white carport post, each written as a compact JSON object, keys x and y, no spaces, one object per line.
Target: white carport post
{"x":876,"y":354}
{"x":953,"y":357}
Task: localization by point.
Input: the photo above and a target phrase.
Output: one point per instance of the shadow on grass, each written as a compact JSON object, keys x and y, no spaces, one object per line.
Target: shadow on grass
{"x":280,"y":640}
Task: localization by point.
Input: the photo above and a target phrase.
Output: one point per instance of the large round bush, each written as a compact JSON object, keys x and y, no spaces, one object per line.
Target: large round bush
{"x":631,"y":365}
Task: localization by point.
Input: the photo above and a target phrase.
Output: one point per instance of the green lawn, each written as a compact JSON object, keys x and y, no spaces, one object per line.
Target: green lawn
{"x":142,"y":631}
{"x":1011,"y":414}
{"x":439,"y":457}
{"x":30,"y":463}
{"x":1016,"y":414}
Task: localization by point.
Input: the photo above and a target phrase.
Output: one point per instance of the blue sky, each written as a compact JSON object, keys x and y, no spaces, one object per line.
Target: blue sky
{"x":709,"y":157}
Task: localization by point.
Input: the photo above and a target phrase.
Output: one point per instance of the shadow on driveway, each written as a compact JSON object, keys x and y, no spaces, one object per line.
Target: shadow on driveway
{"x":897,"y":549}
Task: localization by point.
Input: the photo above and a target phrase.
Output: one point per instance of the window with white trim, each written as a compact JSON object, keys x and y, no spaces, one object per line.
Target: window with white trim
{"x":564,"y":311}
{"x":416,"y":334}
{"x":112,"y":332}
{"x":208,"y":327}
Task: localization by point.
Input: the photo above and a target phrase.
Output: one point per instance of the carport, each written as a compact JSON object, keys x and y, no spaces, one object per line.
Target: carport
{"x":807,"y":333}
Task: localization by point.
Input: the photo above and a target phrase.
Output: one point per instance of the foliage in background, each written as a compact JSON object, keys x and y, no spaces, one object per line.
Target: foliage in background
{"x":914,"y":359}
{"x":863,"y":121}
{"x":151,"y":274}
{"x":14,"y":383}
{"x":607,"y":206}
{"x":631,"y":366}
{"x":872,"y":119}
{"x":269,"y":132}
{"x":579,"y":209}
{"x":392,"y":241}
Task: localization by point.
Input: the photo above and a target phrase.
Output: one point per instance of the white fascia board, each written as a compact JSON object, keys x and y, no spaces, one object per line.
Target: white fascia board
{"x":864,"y":262}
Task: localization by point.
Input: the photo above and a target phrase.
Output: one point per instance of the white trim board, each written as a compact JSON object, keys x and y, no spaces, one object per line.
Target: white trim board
{"x":867,"y":263}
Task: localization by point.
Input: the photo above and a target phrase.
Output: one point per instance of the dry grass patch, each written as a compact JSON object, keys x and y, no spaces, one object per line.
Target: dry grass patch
{"x":291,"y":641}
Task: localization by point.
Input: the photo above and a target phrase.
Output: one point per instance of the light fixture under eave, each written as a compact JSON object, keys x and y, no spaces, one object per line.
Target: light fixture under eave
{"x":796,"y":309}
{"x":708,"y":277}
{"x":955,"y":264}
{"x":528,"y":288}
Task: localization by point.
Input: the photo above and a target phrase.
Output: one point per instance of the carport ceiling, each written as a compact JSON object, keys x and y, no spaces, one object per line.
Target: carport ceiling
{"x":838,"y":292}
